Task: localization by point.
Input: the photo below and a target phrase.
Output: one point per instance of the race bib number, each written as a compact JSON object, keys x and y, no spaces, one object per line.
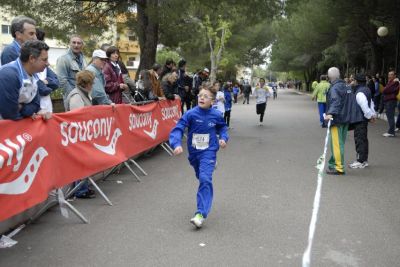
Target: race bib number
{"x":201,"y":141}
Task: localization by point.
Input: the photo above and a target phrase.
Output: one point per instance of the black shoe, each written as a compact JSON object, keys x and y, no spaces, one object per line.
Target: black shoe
{"x":333,"y":172}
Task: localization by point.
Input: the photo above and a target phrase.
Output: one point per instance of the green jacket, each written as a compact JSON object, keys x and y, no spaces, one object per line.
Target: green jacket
{"x":320,"y":91}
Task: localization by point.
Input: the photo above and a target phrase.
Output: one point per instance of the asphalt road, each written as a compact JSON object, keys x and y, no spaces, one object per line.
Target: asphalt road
{"x":264,"y":189}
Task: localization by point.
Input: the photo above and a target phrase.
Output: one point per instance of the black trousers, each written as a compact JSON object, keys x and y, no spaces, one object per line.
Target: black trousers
{"x":227,"y":117}
{"x":260,"y":109}
{"x":390,"y":107}
{"x":246,"y":98}
{"x":361,"y":140}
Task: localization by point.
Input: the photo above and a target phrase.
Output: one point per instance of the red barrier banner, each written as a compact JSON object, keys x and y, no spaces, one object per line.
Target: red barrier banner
{"x":39,"y":156}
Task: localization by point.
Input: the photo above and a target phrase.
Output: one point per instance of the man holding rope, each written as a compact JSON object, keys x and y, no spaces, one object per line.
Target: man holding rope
{"x":335,"y":100}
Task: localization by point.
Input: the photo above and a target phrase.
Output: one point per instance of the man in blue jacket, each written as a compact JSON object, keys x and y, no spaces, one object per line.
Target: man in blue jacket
{"x":19,"y":94}
{"x":336,"y":111}
{"x":22,"y":30}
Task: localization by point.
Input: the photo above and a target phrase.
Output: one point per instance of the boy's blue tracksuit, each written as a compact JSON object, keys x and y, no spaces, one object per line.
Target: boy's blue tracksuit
{"x":203,"y":144}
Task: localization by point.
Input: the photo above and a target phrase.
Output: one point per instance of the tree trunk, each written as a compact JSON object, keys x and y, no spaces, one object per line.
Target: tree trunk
{"x":148,"y":28}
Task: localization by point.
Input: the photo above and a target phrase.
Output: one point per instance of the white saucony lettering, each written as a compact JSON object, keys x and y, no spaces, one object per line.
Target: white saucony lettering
{"x":85,"y":130}
{"x":170,"y":113}
{"x":140,"y":120}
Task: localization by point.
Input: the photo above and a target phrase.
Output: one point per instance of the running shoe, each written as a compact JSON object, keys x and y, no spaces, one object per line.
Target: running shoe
{"x":197,"y":220}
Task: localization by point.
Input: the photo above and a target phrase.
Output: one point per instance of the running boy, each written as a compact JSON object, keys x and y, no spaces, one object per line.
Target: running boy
{"x":204,"y":124}
{"x":262,"y":93}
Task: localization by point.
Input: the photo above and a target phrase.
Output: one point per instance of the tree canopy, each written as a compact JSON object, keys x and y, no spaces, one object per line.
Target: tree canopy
{"x":314,"y":35}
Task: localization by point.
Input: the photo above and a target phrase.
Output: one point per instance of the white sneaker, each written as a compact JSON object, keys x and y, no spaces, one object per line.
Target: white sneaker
{"x":388,"y":135}
{"x":396,"y":130}
{"x":197,"y":220}
{"x":260,"y":124}
{"x":358,"y":165}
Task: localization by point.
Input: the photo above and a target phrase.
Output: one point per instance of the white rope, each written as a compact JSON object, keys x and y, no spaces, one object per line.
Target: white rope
{"x":320,"y":166}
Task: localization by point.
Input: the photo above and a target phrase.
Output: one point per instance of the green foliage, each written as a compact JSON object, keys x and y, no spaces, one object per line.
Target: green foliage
{"x":317,"y":34}
{"x":166,"y":53}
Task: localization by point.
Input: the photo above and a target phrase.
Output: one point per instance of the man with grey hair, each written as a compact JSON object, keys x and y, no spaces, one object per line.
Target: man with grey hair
{"x":22,"y":30}
{"x":69,"y":64}
{"x":337,"y":113}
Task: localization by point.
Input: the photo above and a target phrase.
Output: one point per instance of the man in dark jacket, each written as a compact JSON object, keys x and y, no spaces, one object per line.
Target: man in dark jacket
{"x":366,"y":113}
{"x":336,"y":111}
{"x":183,"y":85}
{"x":389,"y":99}
{"x":246,"y":92}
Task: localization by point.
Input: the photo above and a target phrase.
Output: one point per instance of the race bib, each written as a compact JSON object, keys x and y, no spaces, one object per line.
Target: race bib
{"x":201,"y":141}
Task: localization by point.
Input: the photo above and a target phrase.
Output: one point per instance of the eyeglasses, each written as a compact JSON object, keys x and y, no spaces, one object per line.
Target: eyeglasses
{"x":205,"y":96}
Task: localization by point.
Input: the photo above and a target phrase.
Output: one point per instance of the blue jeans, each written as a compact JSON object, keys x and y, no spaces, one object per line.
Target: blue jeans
{"x":322,"y":110}
{"x":203,"y":164}
{"x":390,"y":107}
{"x":83,"y":189}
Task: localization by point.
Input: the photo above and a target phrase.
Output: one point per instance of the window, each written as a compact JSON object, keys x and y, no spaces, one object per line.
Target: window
{"x":131,"y":36}
{"x":131,"y":61}
{"x":5,"y":29}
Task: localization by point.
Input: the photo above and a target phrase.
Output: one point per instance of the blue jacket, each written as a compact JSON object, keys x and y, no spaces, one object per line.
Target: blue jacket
{"x":12,"y":78}
{"x":99,"y":96}
{"x":228,"y":99}
{"x":10,"y":52}
{"x":200,"y":121}
{"x":335,"y":98}
{"x":52,"y":85}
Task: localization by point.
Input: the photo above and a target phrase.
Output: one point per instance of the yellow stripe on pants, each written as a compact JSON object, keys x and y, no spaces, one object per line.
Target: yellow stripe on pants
{"x":336,"y":149}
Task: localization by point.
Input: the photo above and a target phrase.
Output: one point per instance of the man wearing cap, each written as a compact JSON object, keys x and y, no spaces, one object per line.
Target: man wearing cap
{"x":69,"y":64}
{"x":22,"y":30}
{"x":364,"y":112}
{"x":198,"y":79}
{"x":99,"y":96}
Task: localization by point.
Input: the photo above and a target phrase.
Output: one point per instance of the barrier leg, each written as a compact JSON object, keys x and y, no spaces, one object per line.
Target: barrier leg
{"x":166,"y":149}
{"x":72,"y":191}
{"x":138,"y":166}
{"x":130,"y":169}
{"x":100,"y":191}
{"x":77,"y":213}
{"x":114,"y":169}
{"x":47,"y":206}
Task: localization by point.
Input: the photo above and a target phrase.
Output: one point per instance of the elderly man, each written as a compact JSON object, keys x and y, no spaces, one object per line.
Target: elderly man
{"x":22,"y":30}
{"x":19,"y":95}
{"x":99,"y":96}
{"x":336,"y":111}
{"x":69,"y":64}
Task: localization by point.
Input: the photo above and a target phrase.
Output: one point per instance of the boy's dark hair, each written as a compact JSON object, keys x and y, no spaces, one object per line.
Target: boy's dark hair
{"x":111,"y":50}
{"x":156,"y":66}
{"x":32,"y":48}
{"x":40,"y":34}
{"x":170,"y":61}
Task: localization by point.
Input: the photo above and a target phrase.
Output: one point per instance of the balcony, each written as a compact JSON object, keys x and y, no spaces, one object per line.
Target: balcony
{"x":128,"y":47}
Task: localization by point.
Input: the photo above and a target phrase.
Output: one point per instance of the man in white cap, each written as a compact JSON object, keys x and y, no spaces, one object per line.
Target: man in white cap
{"x":99,"y":96}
